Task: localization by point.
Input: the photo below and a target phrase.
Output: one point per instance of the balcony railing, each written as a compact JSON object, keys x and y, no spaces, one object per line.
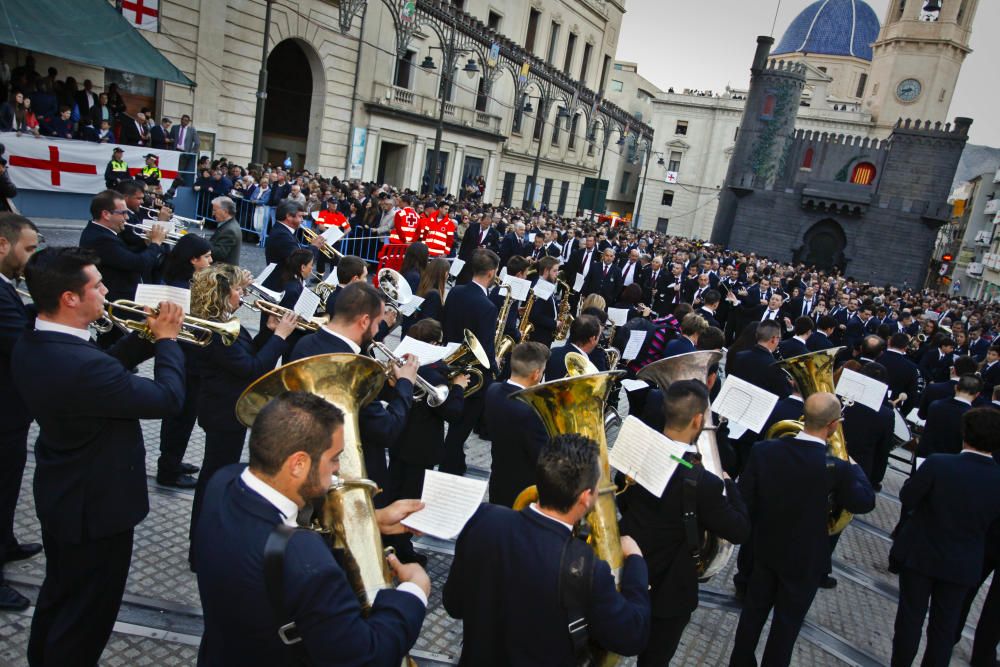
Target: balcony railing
{"x":992,"y":207}
{"x":407,"y":100}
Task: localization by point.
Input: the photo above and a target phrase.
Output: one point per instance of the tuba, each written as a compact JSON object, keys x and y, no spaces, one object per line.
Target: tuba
{"x":468,"y":358}
{"x":347,"y":515}
{"x":813,"y":372}
{"x":715,"y":551}
{"x":575,"y":404}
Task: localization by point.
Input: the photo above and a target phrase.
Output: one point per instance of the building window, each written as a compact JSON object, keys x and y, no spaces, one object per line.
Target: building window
{"x":822,"y":69}
{"x":546,"y":193}
{"x":570,"y":48}
{"x":863,"y":174}
{"x":616,"y":86}
{"x":604,"y":71}
{"x":555,"y":131}
{"x":682,"y":127}
{"x":482,"y":99}
{"x":493,"y":21}
{"x":404,"y":70}
{"x":553,"y":43}
{"x":661,"y":225}
{"x":668,"y":198}
{"x":529,"y":38}
{"x":588,"y":49}
{"x":767,"y":111}
{"x":515,"y":127}
{"x":526,"y":202}
{"x":536,"y":133}
{"x":862,"y":82}
{"x":623,"y":188}
{"x":573,"y":125}
{"x":563,"y":195}
{"x":675,"y":161}
{"x":507,"y":193}
{"x":807,"y":161}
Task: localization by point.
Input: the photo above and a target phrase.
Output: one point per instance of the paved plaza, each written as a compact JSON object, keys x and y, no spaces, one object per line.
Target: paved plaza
{"x":160,"y":621}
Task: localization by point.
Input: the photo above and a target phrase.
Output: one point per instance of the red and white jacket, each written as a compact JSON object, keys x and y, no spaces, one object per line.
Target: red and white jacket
{"x":333,"y":219}
{"x":438,"y":234}
{"x":406,"y":228}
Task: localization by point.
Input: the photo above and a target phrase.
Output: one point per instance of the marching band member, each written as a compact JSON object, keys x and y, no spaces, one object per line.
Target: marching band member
{"x":431,"y":289}
{"x":18,"y":240}
{"x":517,"y":267}
{"x":90,"y":474}
{"x":516,"y":431}
{"x":226,"y":370}
{"x":414,"y":262}
{"x":504,"y":558}
{"x":663,"y":532}
{"x":484,"y":235}
{"x":295,"y":444}
{"x":545,"y":311}
{"x":584,"y":334}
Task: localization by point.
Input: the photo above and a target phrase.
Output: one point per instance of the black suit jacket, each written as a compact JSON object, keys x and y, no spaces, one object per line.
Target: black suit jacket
{"x":157,"y":137}
{"x":935,"y":367}
{"x":543,"y":319}
{"x":949,"y":503}
{"x":788,"y":407}
{"x":233,"y":526}
{"x":90,"y":475}
{"x":756,"y":367}
{"x":15,"y":318}
{"x":279,"y":245}
{"x":708,"y":316}
{"x":868,"y":434}
{"x":657,"y":525}
{"x":904,"y":377}
{"x":470,"y":241}
{"x":991,"y":378}
{"x":943,"y":430}
{"x":935,"y":392}
{"x":468,"y":307}
{"x":791,"y":347}
{"x":555,"y":369}
{"x":121,"y":267}
{"x":609,"y":286}
{"x":575,"y":263}
{"x":421,"y":442}
{"x":503,"y":558}
{"x":510,"y":246}
{"x":517,"y":435}
{"x":785,"y":485}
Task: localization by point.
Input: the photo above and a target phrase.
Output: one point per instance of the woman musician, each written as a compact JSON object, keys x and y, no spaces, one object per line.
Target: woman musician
{"x":431,"y":289}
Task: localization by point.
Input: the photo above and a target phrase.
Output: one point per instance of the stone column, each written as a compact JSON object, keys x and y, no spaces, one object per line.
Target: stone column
{"x":417,"y":164}
{"x":371,"y":154}
{"x":492,"y":167}
{"x":457,"y":164}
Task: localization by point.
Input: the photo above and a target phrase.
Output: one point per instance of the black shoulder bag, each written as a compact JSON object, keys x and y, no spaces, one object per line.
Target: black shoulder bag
{"x":576,"y":575}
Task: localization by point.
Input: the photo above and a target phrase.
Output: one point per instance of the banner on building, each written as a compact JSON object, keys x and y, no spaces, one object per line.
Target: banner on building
{"x":523,"y":75}
{"x":65,"y":165}
{"x":493,"y":57}
{"x":358,"y":151}
{"x":143,"y":14}
{"x":408,"y":12}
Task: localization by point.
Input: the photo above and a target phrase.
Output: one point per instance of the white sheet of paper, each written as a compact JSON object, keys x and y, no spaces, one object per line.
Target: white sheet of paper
{"x":861,"y":389}
{"x":578,"y":283}
{"x":618,"y":316}
{"x":899,"y":428}
{"x":920,"y":461}
{"x":333,"y":234}
{"x":742,"y":402}
{"x":914,"y":417}
{"x":332,"y":278}
{"x":152,"y":295}
{"x":503,"y":274}
{"x":519,"y":287}
{"x":449,"y":502}
{"x":559,"y":343}
{"x":531,"y":238}
{"x":456,"y":267}
{"x":633,"y":385}
{"x":634,"y":345}
{"x":306,"y":304}
{"x":424,"y":352}
{"x":736,"y":430}
{"x":544,"y":289}
{"x":265,"y":274}
{"x":645,"y":455}
{"x":411,"y":306}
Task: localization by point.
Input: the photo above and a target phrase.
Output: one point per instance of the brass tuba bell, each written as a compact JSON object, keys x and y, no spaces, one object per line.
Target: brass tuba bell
{"x":813,"y":372}
{"x":468,"y":358}
{"x":714,"y":551}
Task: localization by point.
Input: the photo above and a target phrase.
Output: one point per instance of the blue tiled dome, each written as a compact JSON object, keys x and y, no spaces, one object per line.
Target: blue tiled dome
{"x":832,"y":27}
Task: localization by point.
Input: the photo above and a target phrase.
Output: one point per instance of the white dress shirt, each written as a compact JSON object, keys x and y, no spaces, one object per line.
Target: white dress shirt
{"x":45,"y":325}
{"x":355,"y":348}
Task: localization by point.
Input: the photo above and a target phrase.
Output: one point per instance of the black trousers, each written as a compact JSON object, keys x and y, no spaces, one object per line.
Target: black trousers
{"x":13,"y":454}
{"x":175,"y":432}
{"x":458,"y":433}
{"x":984,"y":648}
{"x":790,"y":600}
{"x":79,"y":600}
{"x":222,"y":448}
{"x":664,"y":636}
{"x":916,"y":591}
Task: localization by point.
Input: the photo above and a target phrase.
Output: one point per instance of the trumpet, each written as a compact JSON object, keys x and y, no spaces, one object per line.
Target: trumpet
{"x":142,"y":230}
{"x":310,"y":235}
{"x":268,"y":307}
{"x":435,"y":395}
{"x":154,"y":214}
{"x":194,"y":330}
{"x":101,"y":326}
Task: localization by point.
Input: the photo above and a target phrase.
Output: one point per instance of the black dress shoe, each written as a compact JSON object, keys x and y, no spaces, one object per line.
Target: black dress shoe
{"x":178,"y":482}
{"x":828,"y":582}
{"x":22,"y":551}
{"x":188,"y":469}
{"x":11,"y":600}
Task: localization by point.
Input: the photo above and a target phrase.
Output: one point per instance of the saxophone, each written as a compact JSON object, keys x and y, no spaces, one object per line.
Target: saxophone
{"x":526,"y":327}
{"x":503,"y":343}
{"x":563,"y":317}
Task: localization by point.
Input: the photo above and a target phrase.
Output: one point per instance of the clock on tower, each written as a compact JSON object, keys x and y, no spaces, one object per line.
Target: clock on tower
{"x":908,"y":90}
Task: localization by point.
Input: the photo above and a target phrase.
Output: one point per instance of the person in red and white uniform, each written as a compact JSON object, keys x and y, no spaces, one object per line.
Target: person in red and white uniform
{"x":324,"y":220}
{"x":437,"y":230}
{"x":406,"y":228}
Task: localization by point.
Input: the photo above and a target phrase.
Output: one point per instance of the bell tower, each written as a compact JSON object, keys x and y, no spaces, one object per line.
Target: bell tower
{"x":917,"y":58}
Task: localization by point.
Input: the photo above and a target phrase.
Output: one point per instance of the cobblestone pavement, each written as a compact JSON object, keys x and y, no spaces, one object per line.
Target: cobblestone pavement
{"x":160,"y":622}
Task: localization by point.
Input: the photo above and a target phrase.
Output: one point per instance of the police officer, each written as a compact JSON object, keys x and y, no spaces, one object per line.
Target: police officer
{"x":117,"y":169}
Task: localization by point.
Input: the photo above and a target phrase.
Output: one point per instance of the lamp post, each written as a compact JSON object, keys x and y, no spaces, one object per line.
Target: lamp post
{"x":604,"y":150}
{"x":642,"y":193}
{"x":257,"y":153}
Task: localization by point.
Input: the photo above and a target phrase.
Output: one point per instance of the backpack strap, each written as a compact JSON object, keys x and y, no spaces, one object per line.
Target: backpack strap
{"x":689,"y":514}
{"x":274,"y":584}
{"x":576,"y":573}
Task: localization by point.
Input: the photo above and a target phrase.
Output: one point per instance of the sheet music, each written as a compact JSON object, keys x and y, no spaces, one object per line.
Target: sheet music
{"x":618,"y":316}
{"x":634,"y":345}
{"x":503,"y":274}
{"x":744,"y":403}
{"x":544,"y":289}
{"x":306,"y":304}
{"x":531,"y":238}
{"x":332,"y":278}
{"x":152,"y":295}
{"x":449,"y":502}
{"x":861,"y":389}
{"x":736,"y":430}
{"x":266,"y":273}
{"x":411,"y":306}
{"x":519,"y":287}
{"x":456,"y":267}
{"x":899,"y":427}
{"x":633,"y":385}
{"x":646,"y":456}
{"x":333,"y":234}
{"x":578,"y":283}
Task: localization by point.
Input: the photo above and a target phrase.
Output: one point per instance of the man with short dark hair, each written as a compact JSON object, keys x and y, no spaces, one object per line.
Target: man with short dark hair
{"x":692,"y":326}
{"x":872,"y":347}
{"x":295,"y":447}
{"x":184,"y":136}
{"x":904,"y":379}
{"x":584,"y":335}
{"x":756,"y":364}
{"x":951,"y":502}
{"x":544,"y":311}
{"x":503,"y":558}
{"x":798,"y":344}
{"x":935,"y":391}
{"x":942,"y":427}
{"x":349,"y":269}
{"x":820,"y":339}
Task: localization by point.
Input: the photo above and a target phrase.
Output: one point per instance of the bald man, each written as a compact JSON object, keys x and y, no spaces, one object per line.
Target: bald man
{"x":786,"y":485}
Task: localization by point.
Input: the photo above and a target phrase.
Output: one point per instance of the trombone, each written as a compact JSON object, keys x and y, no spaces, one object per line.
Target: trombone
{"x":194,"y":330}
{"x":310,"y":235}
{"x":435,"y":395}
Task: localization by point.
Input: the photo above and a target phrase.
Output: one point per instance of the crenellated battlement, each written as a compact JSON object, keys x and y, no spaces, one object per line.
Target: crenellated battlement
{"x":817,"y":137}
{"x":789,"y":67}
{"x":960,"y":130}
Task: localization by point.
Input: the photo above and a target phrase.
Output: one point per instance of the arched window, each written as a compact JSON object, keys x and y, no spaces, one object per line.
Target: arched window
{"x":770,"y":101}
{"x":863,"y":174}
{"x":807,"y":161}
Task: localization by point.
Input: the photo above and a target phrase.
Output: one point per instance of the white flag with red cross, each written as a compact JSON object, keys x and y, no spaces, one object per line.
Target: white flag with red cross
{"x":143,"y":14}
{"x":66,"y":165}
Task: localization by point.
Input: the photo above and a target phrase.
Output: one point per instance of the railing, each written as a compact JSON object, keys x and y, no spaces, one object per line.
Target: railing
{"x":992,"y":207}
{"x":407,"y":100}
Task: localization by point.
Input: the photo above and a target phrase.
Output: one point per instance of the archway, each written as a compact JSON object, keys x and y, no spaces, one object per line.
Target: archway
{"x":823,"y":246}
{"x":293,"y":112}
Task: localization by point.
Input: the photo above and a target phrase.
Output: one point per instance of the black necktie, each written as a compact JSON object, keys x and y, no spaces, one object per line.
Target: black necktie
{"x":605,"y":270}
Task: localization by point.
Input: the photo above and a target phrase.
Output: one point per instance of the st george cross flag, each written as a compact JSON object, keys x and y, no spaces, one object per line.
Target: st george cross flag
{"x":66,"y":165}
{"x":143,"y":14}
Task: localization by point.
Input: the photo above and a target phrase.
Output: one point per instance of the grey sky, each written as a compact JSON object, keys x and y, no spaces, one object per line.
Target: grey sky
{"x":710,"y":43}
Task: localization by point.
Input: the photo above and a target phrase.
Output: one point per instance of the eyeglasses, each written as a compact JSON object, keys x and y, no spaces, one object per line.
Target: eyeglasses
{"x":122,"y":212}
